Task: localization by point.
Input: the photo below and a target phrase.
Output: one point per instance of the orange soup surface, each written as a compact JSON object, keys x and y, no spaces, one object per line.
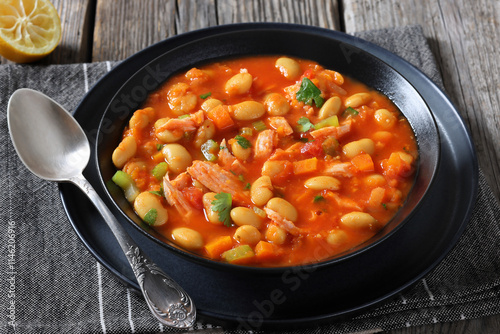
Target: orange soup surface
{"x":266,"y":161}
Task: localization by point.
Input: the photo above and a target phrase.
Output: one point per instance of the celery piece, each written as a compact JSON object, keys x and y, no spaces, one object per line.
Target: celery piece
{"x":238,"y":253}
{"x":160,"y":170}
{"x":330,"y":121}
{"x":124,"y":181}
{"x":209,"y":150}
{"x":259,"y":126}
{"x":246,"y":131}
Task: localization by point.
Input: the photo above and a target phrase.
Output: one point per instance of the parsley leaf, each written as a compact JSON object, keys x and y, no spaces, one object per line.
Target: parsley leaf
{"x":242,"y":141}
{"x":305,"y":124}
{"x":318,"y":198}
{"x":222,"y":205}
{"x":151,"y":216}
{"x":308,"y":92}
{"x":204,"y":96}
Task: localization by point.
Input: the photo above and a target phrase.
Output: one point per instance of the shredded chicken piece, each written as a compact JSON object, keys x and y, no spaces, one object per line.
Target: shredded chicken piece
{"x":281,"y":125}
{"x":333,"y":131}
{"x":336,"y":168}
{"x":175,"y":197}
{"x":180,"y":125}
{"x":229,"y":161}
{"x":217,"y":179}
{"x":265,"y":144}
{"x":282,"y":222}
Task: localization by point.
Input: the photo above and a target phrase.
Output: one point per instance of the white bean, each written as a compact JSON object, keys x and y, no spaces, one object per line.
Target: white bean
{"x":212,"y":216}
{"x":205,"y":132}
{"x":177,"y":157}
{"x":357,"y":100}
{"x":180,"y":100}
{"x":288,"y":67}
{"x":166,"y":136}
{"x":245,"y":216}
{"x":276,"y":235}
{"x":125,"y":150}
{"x":239,"y":84}
{"x":283,"y":208}
{"x":336,"y":237}
{"x":248,"y":110}
{"x":240,"y":152}
{"x":354,"y":148}
{"x":210,"y":104}
{"x":146,"y":201}
{"x":322,"y":183}
{"x":276,"y":104}
{"x":187,"y":238}
{"x":247,"y":234}
{"x":261,"y":190}
{"x":358,"y":220}
{"x":385,"y":118}
{"x":330,"y":108}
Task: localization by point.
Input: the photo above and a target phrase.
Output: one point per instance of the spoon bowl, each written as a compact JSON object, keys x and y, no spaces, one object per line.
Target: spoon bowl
{"x":47,"y":139}
{"x":53,"y":146}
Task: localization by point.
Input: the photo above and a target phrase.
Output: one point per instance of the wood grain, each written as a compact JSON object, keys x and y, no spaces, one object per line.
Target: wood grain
{"x":124,"y":27}
{"x":77,"y":25}
{"x":464,"y":38}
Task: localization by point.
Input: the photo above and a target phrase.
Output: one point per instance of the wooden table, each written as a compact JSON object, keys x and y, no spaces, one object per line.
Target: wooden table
{"x":464,"y":36}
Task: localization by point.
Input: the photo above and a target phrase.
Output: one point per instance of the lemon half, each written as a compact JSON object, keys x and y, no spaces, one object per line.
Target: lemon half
{"x":29,"y":29}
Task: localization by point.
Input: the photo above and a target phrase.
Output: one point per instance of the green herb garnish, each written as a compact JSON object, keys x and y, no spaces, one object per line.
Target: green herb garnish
{"x":318,"y":198}
{"x":384,"y":206}
{"x":351,"y":111}
{"x":157,"y":192}
{"x":308,"y":92}
{"x":242,"y":141}
{"x":204,"y":96}
{"x":150,"y":217}
{"x":222,"y":205}
{"x":247,"y":186}
{"x":304,"y":124}
{"x":159,"y":147}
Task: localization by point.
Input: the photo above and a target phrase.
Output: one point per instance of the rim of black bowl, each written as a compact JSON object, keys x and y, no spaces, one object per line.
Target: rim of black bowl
{"x":353,"y":43}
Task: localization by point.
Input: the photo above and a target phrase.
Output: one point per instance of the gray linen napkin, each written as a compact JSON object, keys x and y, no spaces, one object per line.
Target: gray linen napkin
{"x":51,"y":284}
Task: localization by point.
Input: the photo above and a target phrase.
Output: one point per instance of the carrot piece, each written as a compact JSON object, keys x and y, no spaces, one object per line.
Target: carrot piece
{"x":305,"y":166}
{"x":395,"y":166}
{"x":265,"y":251}
{"x":363,"y":162}
{"x":218,"y":246}
{"x":376,"y":198}
{"x":221,"y":117}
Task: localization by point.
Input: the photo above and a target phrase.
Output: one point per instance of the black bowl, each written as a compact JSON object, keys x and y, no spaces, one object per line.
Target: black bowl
{"x":333,"y":50}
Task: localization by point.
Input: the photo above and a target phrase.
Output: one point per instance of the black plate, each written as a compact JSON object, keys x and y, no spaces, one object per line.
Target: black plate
{"x":304,"y":295}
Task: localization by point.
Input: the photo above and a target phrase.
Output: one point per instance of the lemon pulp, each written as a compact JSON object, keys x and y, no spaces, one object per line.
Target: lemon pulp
{"x":29,"y":29}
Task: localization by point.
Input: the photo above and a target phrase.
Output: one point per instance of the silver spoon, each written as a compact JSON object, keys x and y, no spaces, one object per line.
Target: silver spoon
{"x":54,"y":147}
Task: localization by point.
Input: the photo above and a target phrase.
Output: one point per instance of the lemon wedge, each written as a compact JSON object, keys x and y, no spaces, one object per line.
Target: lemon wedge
{"x":29,"y":29}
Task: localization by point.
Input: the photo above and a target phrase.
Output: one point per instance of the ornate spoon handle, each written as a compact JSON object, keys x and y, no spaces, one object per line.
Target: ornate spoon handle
{"x":168,"y":302}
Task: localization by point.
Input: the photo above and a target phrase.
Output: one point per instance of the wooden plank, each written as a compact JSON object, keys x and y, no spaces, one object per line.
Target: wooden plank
{"x":124,"y":27}
{"x":463,"y":36}
{"x":130,"y":22}
{"x":76,"y":17}
{"x":322,"y":13}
